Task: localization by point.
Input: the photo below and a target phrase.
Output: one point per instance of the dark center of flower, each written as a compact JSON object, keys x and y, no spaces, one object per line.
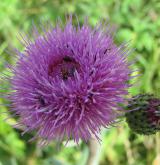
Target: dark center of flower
{"x":64,"y":68}
{"x":41,"y":101}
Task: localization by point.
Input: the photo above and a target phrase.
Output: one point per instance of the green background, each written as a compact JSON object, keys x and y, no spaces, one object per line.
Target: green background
{"x":137,"y":21}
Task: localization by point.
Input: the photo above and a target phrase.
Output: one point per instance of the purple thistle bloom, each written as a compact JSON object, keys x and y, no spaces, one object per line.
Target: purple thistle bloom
{"x":68,"y":82}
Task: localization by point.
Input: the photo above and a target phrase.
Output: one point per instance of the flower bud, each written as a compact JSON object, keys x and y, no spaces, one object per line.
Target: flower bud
{"x":144,"y":114}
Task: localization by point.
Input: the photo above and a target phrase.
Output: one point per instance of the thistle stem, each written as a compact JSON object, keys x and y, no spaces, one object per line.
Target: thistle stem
{"x":94,"y":152}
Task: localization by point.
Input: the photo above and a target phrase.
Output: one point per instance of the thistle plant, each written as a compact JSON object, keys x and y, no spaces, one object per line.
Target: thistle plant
{"x":69,"y":81}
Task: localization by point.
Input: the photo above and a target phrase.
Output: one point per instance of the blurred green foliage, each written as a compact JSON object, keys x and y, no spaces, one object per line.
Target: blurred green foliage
{"x":137,"y":21}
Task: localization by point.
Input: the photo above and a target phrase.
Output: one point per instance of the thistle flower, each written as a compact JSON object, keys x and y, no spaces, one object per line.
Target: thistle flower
{"x":68,"y":82}
{"x":144,"y":117}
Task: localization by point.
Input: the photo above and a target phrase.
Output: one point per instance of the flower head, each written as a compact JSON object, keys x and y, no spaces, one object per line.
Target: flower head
{"x":144,"y":117}
{"x":67,"y":83}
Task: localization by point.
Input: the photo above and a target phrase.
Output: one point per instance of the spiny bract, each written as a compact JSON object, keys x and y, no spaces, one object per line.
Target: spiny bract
{"x":144,"y":115}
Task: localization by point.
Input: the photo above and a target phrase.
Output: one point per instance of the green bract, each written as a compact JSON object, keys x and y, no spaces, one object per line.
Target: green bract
{"x":144,"y":114}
